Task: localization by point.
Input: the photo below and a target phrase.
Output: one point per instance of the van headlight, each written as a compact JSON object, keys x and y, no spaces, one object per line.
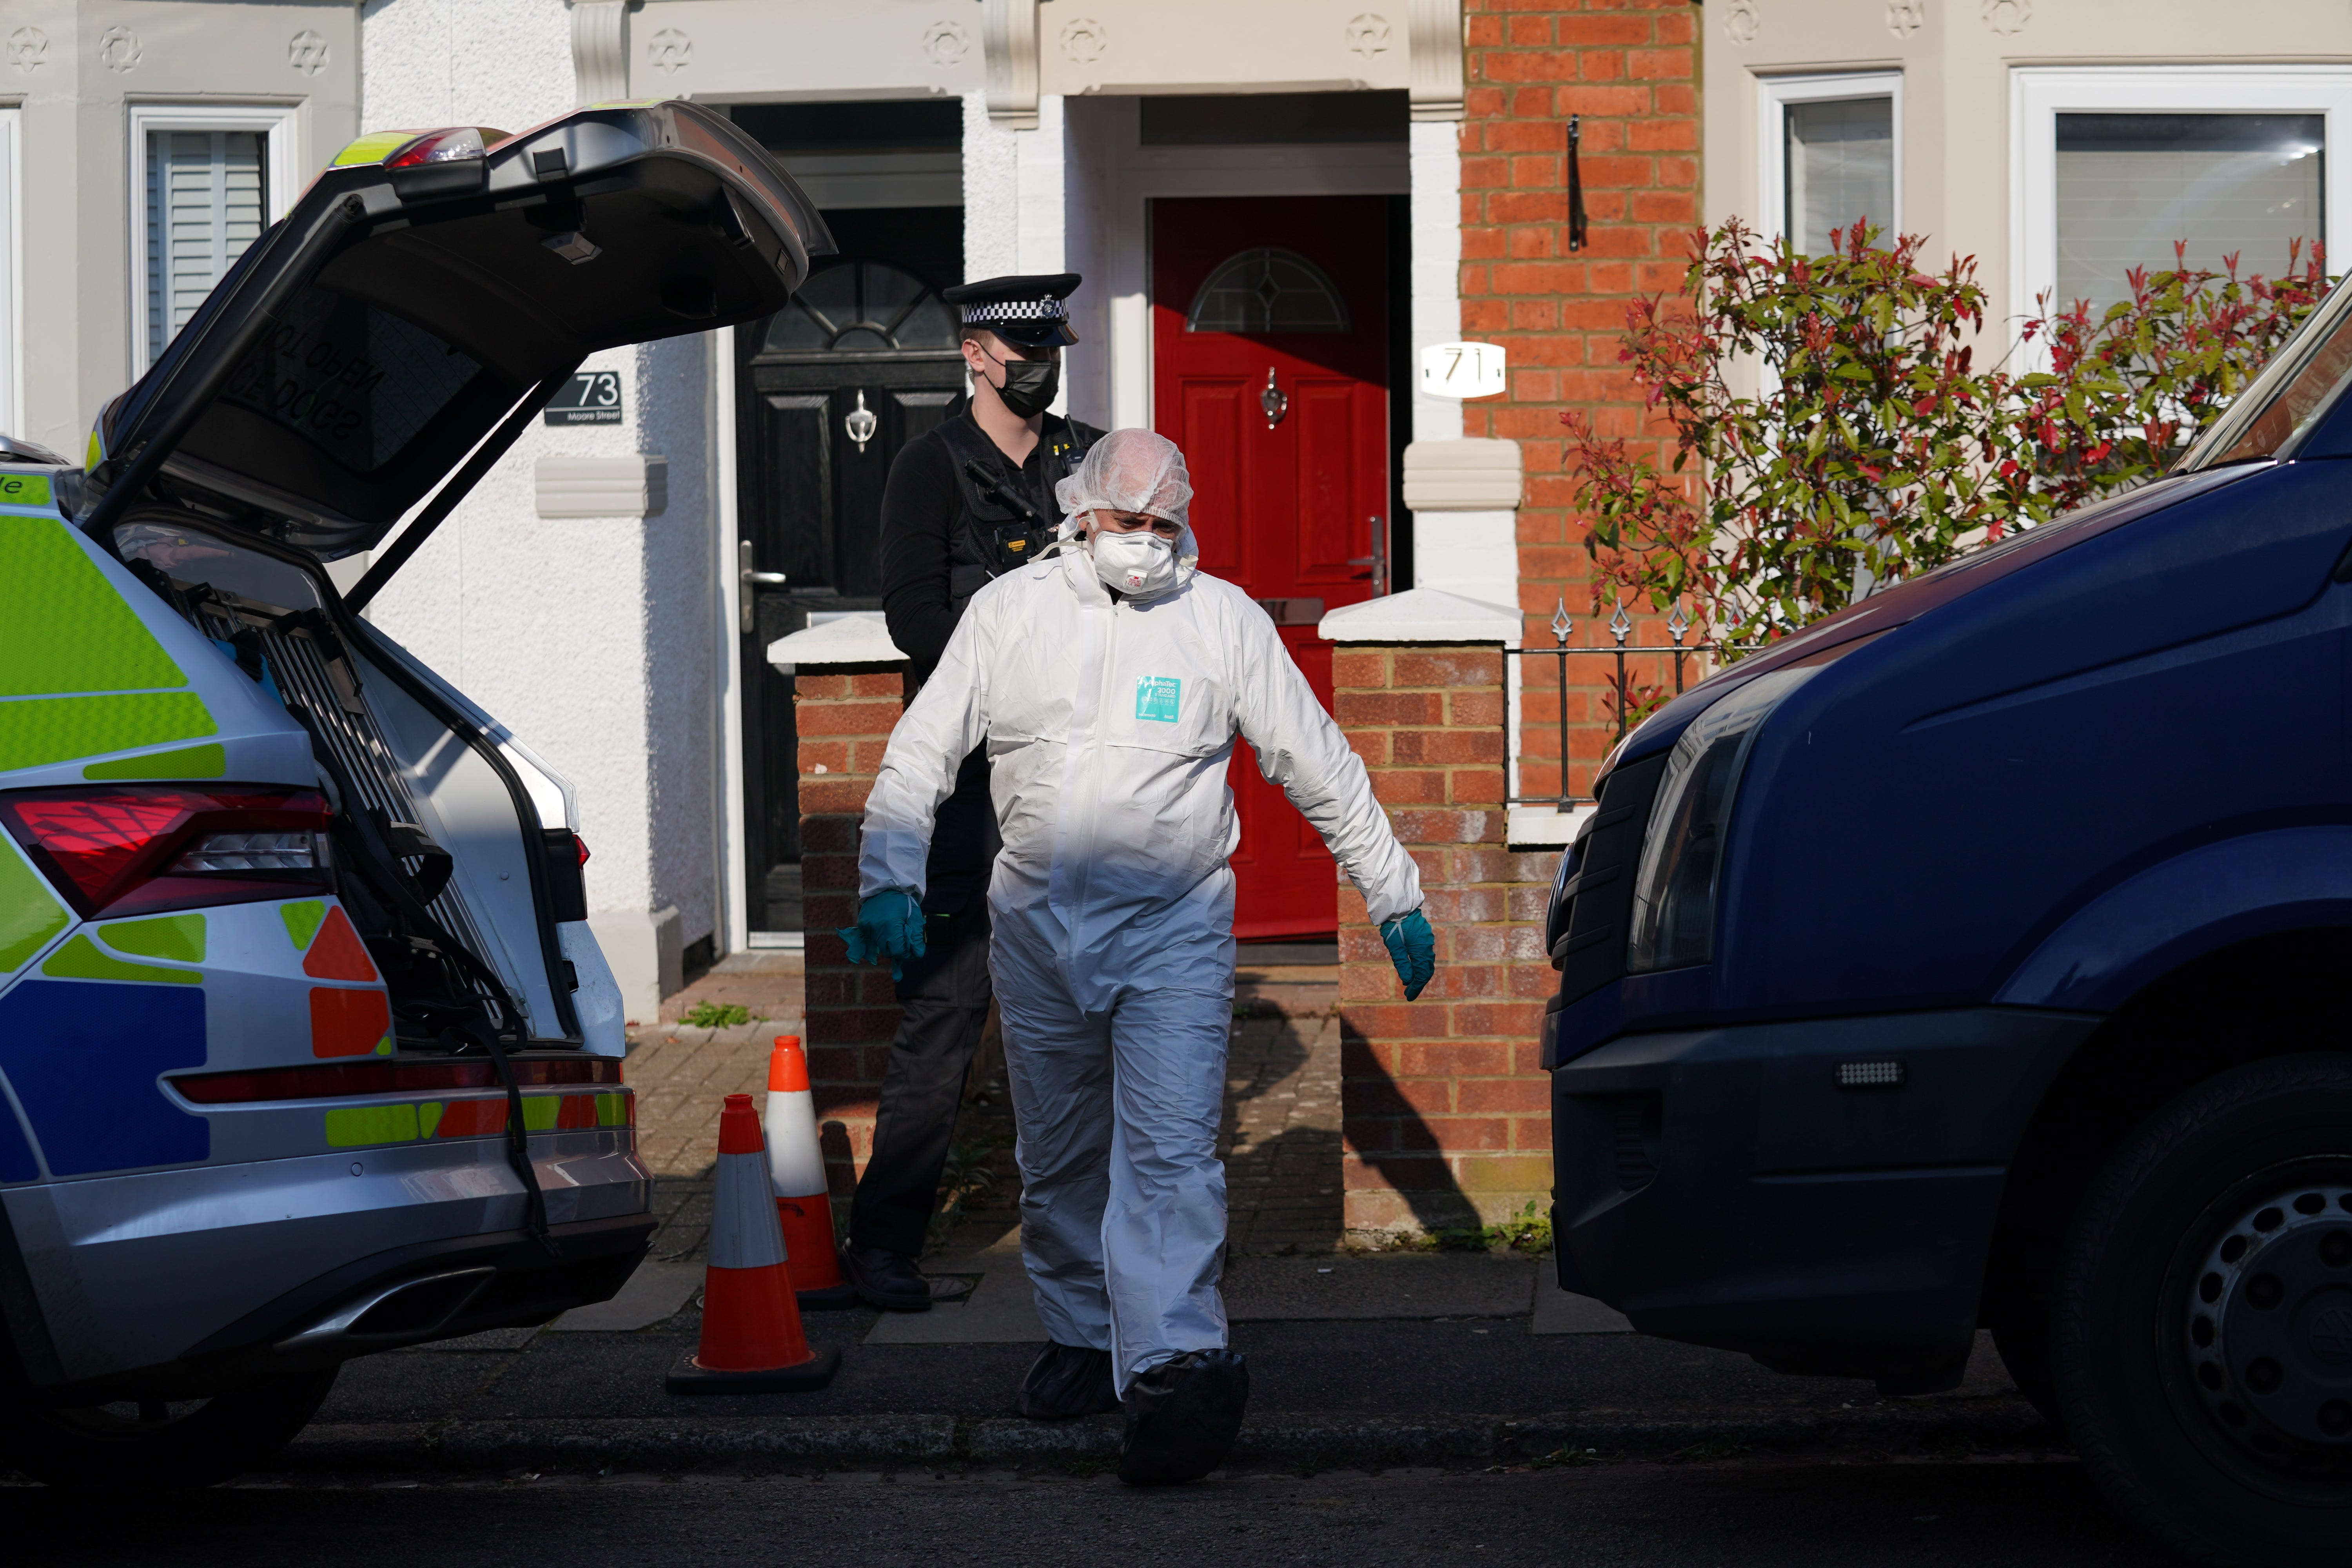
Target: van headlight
{"x":1556,"y":907}
{"x":1682,"y":852}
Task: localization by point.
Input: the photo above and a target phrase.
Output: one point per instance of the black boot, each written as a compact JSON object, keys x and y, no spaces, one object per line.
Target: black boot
{"x":1182,"y":1417}
{"x":887,"y":1279}
{"x":1068,"y":1381}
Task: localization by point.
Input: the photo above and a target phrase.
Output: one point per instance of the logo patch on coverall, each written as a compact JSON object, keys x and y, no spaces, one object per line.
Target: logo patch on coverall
{"x":1156,"y":697}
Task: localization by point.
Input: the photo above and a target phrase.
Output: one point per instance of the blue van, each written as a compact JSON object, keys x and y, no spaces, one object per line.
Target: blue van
{"x":1981,"y":956}
{"x":306,"y":1048}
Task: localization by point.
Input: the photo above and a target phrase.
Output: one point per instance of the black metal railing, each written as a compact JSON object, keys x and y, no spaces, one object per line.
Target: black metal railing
{"x":1619,"y":626}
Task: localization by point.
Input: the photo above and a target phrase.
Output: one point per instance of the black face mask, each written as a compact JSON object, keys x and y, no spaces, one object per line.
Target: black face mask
{"x":1029,"y":385}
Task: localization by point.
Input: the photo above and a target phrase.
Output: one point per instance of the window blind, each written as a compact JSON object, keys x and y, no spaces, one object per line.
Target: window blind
{"x":204,"y":206}
{"x":1841,"y":169}
{"x":2129,"y":186}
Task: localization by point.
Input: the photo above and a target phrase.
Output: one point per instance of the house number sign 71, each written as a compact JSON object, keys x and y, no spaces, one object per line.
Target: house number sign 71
{"x":1462,"y":370}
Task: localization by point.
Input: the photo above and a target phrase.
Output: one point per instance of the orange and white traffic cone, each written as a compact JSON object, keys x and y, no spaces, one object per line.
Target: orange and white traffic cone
{"x":751,"y":1338}
{"x":796,"y":1171}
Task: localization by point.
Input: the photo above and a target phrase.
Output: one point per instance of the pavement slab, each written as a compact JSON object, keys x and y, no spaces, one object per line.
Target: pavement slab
{"x":658,"y":1290}
{"x":1449,"y":1388}
{"x":1001,"y":1308}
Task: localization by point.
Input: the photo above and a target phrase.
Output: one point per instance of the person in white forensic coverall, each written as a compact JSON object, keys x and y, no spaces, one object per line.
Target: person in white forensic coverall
{"x":1108,"y":681}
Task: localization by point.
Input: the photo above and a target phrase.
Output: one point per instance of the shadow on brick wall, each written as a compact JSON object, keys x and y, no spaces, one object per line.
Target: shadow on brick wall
{"x":1396,"y":1150}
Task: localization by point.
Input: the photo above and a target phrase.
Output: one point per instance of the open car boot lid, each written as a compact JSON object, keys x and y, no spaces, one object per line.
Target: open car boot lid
{"x":423,"y":287}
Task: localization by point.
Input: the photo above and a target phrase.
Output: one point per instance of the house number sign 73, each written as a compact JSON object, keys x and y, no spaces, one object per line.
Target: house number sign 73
{"x":1462,"y":370}
{"x":590,"y":398}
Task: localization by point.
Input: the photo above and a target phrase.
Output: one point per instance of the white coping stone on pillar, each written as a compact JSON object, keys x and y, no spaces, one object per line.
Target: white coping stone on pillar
{"x":1423,"y":614}
{"x":1544,"y":827}
{"x":856,"y":636}
{"x":1477,"y":473}
{"x":633,"y":486}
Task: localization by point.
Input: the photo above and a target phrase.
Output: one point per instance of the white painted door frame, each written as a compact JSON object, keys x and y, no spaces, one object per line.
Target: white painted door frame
{"x":2038,"y":94}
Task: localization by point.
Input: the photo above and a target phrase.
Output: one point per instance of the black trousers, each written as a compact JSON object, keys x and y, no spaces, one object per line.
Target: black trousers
{"x":945,"y":994}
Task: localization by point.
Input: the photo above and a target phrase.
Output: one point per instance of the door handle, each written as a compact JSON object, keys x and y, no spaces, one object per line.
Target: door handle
{"x":1379,"y":559}
{"x":750,"y":578}
{"x":1274,"y":401}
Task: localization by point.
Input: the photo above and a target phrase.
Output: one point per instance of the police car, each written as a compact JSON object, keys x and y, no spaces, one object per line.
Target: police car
{"x":305,"y":1048}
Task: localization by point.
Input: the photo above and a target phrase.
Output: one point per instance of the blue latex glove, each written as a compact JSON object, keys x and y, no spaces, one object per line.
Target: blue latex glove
{"x":889,"y":926}
{"x":1413,"y":947}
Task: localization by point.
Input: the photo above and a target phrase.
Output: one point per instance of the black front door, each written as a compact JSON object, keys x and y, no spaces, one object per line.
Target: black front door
{"x":861,"y":362}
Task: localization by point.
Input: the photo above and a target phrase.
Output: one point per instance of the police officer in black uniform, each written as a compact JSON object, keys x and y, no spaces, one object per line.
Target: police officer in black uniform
{"x":965,"y":502}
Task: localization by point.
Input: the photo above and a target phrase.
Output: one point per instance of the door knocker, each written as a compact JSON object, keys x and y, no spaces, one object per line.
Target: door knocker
{"x":1276,"y":404}
{"x":861,"y":422}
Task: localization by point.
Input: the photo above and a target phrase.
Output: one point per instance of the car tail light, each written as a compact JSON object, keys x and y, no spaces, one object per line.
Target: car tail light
{"x":581,"y":845}
{"x":340,"y":1080}
{"x":130,"y":849}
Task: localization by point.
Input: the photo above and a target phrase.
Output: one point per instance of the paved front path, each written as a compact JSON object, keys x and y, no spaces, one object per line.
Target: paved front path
{"x":1280,"y":1135}
{"x":683,"y":1074}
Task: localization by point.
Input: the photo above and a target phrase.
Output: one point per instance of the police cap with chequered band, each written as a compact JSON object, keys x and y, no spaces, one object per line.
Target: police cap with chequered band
{"x":1026,"y":309}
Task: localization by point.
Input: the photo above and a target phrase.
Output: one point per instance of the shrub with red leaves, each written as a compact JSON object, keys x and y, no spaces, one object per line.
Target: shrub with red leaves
{"x":2125,"y":394}
{"x":1831,"y":431}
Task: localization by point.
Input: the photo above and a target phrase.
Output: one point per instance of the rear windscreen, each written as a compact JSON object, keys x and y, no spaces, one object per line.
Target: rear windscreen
{"x":353,"y":381}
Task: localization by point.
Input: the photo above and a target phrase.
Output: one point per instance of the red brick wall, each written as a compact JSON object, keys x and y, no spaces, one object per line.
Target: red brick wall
{"x":1447,"y":1119}
{"x":844,"y":715}
{"x":1629,"y":68}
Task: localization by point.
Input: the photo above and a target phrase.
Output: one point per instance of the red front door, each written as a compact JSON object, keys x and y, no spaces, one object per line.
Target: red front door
{"x":1269,"y":335}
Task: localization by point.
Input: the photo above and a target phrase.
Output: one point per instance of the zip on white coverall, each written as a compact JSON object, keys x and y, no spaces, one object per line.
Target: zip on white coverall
{"x":1109,"y":727}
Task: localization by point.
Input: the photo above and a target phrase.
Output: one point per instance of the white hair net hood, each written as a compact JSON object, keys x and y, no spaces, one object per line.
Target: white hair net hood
{"x":1129,"y":470}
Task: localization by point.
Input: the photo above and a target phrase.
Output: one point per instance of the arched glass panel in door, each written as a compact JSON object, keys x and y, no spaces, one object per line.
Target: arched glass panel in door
{"x":1267,"y":290}
{"x":861,"y":305}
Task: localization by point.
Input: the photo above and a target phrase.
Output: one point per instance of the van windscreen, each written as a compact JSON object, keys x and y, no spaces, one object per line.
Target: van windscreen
{"x":2288,"y":396}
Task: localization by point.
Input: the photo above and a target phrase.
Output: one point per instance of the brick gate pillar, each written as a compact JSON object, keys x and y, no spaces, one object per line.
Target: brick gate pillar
{"x":849,"y":686}
{"x":1446,"y":1114}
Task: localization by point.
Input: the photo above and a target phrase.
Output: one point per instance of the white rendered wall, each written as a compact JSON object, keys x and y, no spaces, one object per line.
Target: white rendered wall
{"x":1089,"y":170}
{"x":1436,"y":221}
{"x":1473,"y":554}
{"x":592,"y":637}
{"x":1449,"y":549}
{"x":1016,"y":200}
{"x":991,"y":208}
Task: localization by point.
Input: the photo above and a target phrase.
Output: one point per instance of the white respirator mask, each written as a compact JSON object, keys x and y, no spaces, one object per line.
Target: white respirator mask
{"x":1140,"y":565}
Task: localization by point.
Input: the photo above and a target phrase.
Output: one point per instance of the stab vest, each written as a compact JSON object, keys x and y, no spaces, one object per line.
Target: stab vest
{"x":1002,"y":526}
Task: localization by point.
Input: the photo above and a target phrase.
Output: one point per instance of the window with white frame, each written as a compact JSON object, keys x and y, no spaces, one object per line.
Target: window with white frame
{"x":2112,"y":168}
{"x":205,"y":181}
{"x":1831,"y":156}
{"x":12,"y":379}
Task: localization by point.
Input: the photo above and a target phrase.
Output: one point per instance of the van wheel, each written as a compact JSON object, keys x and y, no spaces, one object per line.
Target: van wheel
{"x":2201,"y":1320}
{"x":155,"y":1442}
